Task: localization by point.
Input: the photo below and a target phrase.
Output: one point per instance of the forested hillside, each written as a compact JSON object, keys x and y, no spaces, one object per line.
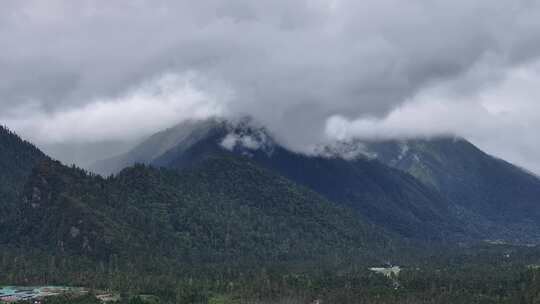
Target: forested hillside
{"x":493,"y":195}
{"x":223,"y":209}
{"x":234,"y":218}
{"x":17,"y":158}
{"x":442,"y":189}
{"x":379,"y":194}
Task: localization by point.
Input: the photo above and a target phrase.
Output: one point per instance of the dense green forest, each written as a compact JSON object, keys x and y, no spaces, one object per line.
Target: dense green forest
{"x":483,"y":274}
{"x":197,"y":215}
{"x":17,"y":159}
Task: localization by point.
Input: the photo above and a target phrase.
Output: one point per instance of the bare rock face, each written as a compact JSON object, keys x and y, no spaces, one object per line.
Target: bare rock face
{"x":36,"y":197}
{"x":37,"y":189}
{"x":74,"y":232}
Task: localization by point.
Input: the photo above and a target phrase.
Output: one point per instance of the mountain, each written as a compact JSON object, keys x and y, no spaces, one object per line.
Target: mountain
{"x":490,"y":192}
{"x":156,"y":145}
{"x":222,"y":209}
{"x":228,"y":215}
{"x":17,"y":158}
{"x":377,"y":193}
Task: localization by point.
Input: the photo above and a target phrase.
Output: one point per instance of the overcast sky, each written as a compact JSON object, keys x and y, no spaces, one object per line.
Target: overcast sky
{"x":104,"y":71}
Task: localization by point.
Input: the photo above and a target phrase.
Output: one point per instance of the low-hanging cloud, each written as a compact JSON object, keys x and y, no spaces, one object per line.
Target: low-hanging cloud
{"x":502,"y":119}
{"x":307,"y":69}
{"x":170,"y":98}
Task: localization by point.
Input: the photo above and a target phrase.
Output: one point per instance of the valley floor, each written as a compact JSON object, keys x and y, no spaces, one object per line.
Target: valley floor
{"x":39,"y":294}
{"x":483,"y":274}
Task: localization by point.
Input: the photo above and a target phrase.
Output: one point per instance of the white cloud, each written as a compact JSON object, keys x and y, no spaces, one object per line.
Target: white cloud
{"x":154,"y":105}
{"x":502,"y":118}
{"x":229,"y":141}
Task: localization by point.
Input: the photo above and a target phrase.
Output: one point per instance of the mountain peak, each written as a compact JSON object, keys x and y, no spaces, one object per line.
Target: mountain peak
{"x":245,"y":136}
{"x":242,"y":135}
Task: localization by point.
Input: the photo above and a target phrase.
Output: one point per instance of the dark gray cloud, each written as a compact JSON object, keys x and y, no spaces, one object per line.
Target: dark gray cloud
{"x":84,"y":71}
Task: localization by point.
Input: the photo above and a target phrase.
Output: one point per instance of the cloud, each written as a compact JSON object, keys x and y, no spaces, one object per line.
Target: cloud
{"x":155,"y":105}
{"x":501,"y":119}
{"x":72,"y":67}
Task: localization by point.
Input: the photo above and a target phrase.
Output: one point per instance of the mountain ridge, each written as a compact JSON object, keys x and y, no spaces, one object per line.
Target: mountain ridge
{"x":469,"y":197}
{"x":379,"y":194}
{"x":223,"y":209}
{"x":499,"y":191}
{"x":17,"y":159}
